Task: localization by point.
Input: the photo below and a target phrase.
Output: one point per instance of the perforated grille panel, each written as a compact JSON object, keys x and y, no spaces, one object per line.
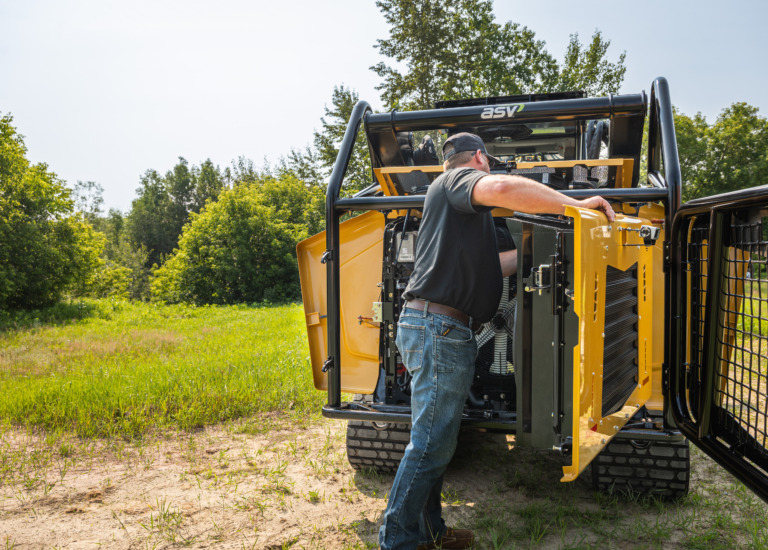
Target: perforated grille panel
{"x":620,"y":352}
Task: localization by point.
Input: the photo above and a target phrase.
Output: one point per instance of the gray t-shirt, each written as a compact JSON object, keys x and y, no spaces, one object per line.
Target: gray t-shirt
{"x":457,"y":258}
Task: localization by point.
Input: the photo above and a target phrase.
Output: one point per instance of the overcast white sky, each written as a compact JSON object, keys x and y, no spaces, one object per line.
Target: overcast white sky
{"x":105,"y":90}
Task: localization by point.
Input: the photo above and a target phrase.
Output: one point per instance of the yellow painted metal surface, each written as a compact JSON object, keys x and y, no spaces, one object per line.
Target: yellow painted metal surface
{"x":361,"y":251}
{"x":384,"y":175}
{"x":598,"y":245}
{"x":623,"y":167}
{"x":649,"y":214}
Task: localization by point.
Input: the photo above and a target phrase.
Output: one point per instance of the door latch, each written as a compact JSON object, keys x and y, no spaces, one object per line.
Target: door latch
{"x":648,"y":233}
{"x":539,"y":279}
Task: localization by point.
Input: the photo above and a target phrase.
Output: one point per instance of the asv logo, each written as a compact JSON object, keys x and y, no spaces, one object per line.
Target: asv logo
{"x":501,"y":111}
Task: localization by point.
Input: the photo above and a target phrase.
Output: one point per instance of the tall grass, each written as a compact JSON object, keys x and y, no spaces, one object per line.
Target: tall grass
{"x":119,"y":369}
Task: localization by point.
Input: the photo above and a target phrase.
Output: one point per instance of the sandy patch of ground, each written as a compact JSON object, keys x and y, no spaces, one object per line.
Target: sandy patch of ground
{"x":267,"y":483}
{"x":215,"y":488}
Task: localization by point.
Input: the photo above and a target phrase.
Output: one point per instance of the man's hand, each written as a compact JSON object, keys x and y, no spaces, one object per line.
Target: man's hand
{"x":599,"y":203}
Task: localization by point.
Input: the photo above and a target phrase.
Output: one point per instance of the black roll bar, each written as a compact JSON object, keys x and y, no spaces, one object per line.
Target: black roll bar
{"x":663,"y":161}
{"x":646,"y":194}
{"x":455,"y":117}
{"x":333,"y":363}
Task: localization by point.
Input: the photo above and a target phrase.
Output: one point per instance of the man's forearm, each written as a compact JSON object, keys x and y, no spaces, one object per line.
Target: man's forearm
{"x":525,"y":195}
{"x":508,"y":261}
{"x":520,"y":194}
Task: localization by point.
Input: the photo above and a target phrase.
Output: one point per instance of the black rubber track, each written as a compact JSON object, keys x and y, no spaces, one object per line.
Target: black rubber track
{"x":659,"y":468}
{"x":377,"y":447}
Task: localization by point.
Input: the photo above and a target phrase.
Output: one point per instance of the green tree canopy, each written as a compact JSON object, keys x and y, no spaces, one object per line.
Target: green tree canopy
{"x":450,"y":50}
{"x":46,"y":249}
{"x":728,"y":155}
{"x":328,"y":141}
{"x":241,"y":248}
{"x":588,"y":69}
{"x":164,"y":205}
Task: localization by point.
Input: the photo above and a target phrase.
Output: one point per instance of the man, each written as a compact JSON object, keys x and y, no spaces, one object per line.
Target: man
{"x":456,"y":284}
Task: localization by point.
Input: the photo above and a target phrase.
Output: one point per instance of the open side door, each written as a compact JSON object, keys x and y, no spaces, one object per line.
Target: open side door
{"x":613,"y":297}
{"x":716,"y":375}
{"x":360,"y":255}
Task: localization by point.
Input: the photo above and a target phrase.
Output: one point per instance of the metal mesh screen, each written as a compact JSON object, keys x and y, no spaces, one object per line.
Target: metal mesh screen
{"x":740,"y":382}
{"x":740,"y":348}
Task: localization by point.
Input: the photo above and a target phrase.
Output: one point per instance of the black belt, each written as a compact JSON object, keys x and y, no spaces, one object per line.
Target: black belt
{"x":434,"y":307}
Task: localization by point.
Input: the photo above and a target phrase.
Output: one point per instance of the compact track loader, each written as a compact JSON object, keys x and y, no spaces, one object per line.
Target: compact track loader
{"x":615,"y":344}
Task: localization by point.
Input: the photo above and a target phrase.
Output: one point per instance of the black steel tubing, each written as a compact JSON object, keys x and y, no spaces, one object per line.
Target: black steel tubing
{"x":565,"y":109}
{"x":662,"y":148}
{"x":332,"y":251}
{"x":662,"y":139}
{"x":638,"y":194}
{"x":713,"y":318}
{"x":347,"y":411}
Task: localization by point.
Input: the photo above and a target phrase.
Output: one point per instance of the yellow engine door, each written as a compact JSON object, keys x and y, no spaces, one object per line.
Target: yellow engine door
{"x":603,"y":255}
{"x":361,"y":253}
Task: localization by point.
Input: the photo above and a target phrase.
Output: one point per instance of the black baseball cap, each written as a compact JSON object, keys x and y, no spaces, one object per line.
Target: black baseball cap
{"x":464,"y":141}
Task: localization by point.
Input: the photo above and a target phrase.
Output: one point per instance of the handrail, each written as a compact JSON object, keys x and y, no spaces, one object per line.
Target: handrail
{"x":635,"y":194}
{"x":333,"y":363}
{"x":564,"y":109}
{"x":662,"y":145}
{"x":664,"y":165}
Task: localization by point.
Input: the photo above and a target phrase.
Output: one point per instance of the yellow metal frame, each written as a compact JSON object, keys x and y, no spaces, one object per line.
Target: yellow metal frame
{"x":623,"y":172}
{"x":385,"y":179}
{"x":598,"y":245}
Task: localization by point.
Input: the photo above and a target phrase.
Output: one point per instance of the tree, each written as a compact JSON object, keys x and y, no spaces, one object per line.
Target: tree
{"x":726,"y":156}
{"x":124,"y":272}
{"x":489,"y":59}
{"x":209,"y":183}
{"x":88,"y":197}
{"x":149,"y":223}
{"x":419,"y":41}
{"x":457,"y":50}
{"x":164,"y":205}
{"x":589,"y":70}
{"x":46,"y":249}
{"x":328,"y":142}
{"x":242,"y":247}
{"x":691,"y":133}
{"x":304,"y":165}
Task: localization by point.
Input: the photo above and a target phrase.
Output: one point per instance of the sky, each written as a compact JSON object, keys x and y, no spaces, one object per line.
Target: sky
{"x":105,"y":90}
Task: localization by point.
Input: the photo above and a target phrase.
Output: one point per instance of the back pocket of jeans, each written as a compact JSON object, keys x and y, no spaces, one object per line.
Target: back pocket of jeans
{"x":410,"y":344}
{"x":455,"y":346}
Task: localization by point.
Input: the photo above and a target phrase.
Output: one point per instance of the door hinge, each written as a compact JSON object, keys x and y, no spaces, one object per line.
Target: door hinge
{"x":327,"y":255}
{"x":328,"y":364}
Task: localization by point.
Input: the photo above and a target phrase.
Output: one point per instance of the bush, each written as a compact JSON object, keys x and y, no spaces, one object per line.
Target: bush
{"x":241,"y":249}
{"x":45,"y":249}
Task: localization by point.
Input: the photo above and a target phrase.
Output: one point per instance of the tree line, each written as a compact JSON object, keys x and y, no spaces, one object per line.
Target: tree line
{"x":206,"y":235}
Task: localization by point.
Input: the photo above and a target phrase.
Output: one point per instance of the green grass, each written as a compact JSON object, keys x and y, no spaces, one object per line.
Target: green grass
{"x":109,"y":368}
{"x":527,"y":506}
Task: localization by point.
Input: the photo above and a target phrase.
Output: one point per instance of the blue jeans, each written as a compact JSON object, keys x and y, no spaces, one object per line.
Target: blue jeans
{"x":440,"y":354}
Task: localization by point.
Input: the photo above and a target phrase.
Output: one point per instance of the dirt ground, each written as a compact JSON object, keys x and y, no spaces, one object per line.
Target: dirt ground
{"x":264,"y":484}
{"x":259,"y":485}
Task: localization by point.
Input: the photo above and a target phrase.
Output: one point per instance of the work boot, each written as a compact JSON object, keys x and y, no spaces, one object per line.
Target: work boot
{"x":451,"y":540}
